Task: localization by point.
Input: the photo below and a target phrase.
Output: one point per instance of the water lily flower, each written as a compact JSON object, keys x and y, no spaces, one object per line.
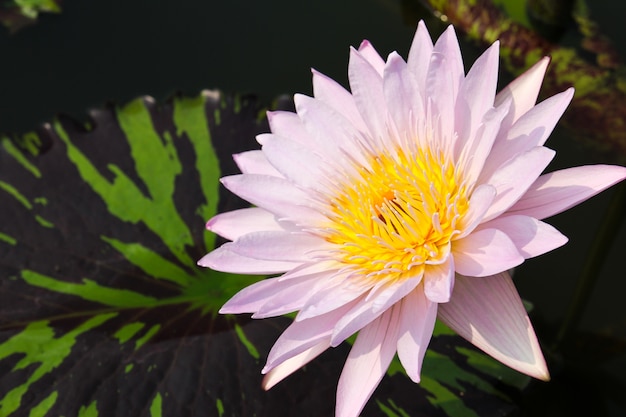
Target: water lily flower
{"x":402,"y":201}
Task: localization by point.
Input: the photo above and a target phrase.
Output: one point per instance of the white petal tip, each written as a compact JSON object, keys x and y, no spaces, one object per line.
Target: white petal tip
{"x":538,"y":370}
{"x":268,"y":382}
{"x":544,"y":376}
{"x":210,"y":224}
{"x":225,"y":310}
{"x":204,"y":261}
{"x":364,"y":44}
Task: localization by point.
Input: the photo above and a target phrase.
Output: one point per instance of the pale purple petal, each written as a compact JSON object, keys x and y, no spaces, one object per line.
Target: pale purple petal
{"x":333,"y":134}
{"x":280,"y":246}
{"x":313,"y":267}
{"x":477,"y":93}
{"x":332,"y":93}
{"x":365,"y":312}
{"x":274,"y":194}
{"x":367,"y":88}
{"x":479,"y":203}
{"x":417,"y":321}
{"x":252,"y":297}
{"x":443,"y":79}
{"x":419,"y":55}
{"x":288,"y":125}
{"x":367,"y":51}
{"x":367,"y":363}
{"x":557,"y":191}
{"x":488,"y":312}
{"x":405,"y":104}
{"x":485,"y":252}
{"x":532,"y":129}
{"x":531,"y":237}
{"x":341,"y":291}
{"x":439,"y":281}
{"x":523,"y":91}
{"x":222,"y":259}
{"x":478,"y":147}
{"x":539,"y":122}
{"x":294,"y":161}
{"x":236,"y":223}
{"x":294,"y":363}
{"x":301,"y":335}
{"x":448,"y":45}
{"x":291,"y":295}
{"x":513,"y":178}
{"x":254,"y":162}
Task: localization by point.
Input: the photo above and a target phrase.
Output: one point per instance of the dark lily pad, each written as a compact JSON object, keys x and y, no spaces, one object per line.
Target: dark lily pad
{"x":103,"y":311}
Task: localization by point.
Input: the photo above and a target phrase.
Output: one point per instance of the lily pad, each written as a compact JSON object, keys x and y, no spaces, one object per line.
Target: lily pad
{"x":104,"y":312}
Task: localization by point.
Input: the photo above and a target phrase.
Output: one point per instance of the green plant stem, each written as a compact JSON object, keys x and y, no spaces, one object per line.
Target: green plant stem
{"x":601,"y":244}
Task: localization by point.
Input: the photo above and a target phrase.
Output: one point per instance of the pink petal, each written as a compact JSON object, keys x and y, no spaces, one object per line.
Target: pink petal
{"x":254,"y":162}
{"x":291,"y":295}
{"x":513,"y":178}
{"x":288,"y":125}
{"x":478,"y":147}
{"x":448,"y":46}
{"x":523,"y":91}
{"x":532,"y":129}
{"x":489,"y":313}
{"x":532,"y":237}
{"x":477,"y":93}
{"x":417,"y":321}
{"x":233,"y":224}
{"x":292,"y":364}
{"x":439,"y":281}
{"x":367,"y":311}
{"x":443,"y":79}
{"x":276,"y":195}
{"x":539,"y":121}
{"x":310,"y":268}
{"x":274,"y":296}
{"x":292,"y":160}
{"x":479,"y":204}
{"x":336,"y":294}
{"x":367,"y":363}
{"x":367,"y":88}
{"x":249,"y":299}
{"x":332,"y":133}
{"x":301,"y":335}
{"x":419,"y":55}
{"x":406,"y":106}
{"x":280,"y":246}
{"x":222,"y":259}
{"x":332,"y":93}
{"x":557,"y":191}
{"x":485,"y":252}
{"x":367,"y":51}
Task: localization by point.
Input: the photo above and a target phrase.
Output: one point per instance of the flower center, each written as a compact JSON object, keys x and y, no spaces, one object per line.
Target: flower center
{"x":397,"y":215}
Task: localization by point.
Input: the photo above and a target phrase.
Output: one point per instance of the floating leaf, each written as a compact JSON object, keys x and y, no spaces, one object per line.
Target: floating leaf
{"x":103,"y":310}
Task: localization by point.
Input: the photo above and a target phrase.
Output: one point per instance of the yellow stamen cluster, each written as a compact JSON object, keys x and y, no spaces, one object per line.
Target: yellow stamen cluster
{"x":397,"y":215}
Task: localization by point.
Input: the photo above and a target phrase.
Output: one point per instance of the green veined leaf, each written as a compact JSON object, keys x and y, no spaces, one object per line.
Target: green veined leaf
{"x":101,"y":227}
{"x":103,"y":310}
